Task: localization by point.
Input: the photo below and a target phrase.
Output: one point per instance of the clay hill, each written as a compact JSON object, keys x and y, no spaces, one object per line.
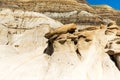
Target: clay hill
{"x":107,"y":12}
{"x":37,"y":43}
{"x":65,"y":11}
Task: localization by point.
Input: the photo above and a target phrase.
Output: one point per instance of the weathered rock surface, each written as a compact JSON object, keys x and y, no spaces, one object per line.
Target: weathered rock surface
{"x":68,"y":52}
{"x":113,"y":45}
{"x":24,"y":30}
{"x":79,"y":55}
{"x":107,"y":12}
{"x":62,"y":30}
{"x":84,"y":47}
{"x":22,"y":43}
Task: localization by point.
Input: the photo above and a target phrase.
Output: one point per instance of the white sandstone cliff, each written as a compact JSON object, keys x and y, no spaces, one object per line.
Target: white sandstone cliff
{"x":25,"y":53}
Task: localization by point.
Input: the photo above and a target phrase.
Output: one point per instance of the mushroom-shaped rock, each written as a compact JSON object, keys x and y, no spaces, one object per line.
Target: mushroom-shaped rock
{"x":68,"y":28}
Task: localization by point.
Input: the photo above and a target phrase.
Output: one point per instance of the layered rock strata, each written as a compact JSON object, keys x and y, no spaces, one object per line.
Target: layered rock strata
{"x":81,"y":1}
{"x":44,"y":6}
{"x":107,"y":12}
{"x":68,"y":11}
{"x":65,"y":11}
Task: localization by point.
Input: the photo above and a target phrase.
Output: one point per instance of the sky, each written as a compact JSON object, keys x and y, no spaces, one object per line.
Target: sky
{"x":113,"y":3}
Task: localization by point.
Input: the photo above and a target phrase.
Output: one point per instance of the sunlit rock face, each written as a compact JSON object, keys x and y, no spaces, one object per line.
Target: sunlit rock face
{"x":108,"y":12}
{"x":22,"y":44}
{"x":113,"y":45}
{"x":24,"y":30}
{"x":35,"y":47}
{"x":85,"y":46}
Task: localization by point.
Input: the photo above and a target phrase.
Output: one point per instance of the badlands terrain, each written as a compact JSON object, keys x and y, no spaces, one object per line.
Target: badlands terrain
{"x":58,"y":40}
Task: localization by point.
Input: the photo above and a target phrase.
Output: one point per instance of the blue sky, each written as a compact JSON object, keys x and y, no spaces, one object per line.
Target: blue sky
{"x":113,"y":3}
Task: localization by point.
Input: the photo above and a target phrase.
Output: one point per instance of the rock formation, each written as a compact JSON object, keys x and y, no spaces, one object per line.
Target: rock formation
{"x":36,"y":47}
{"x":22,"y":43}
{"x":62,"y":30}
{"x":85,"y":46}
{"x":22,"y":29}
{"x":113,"y":45}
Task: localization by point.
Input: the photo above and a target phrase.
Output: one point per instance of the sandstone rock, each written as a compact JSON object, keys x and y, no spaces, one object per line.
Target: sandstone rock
{"x":24,"y":30}
{"x":22,"y":43}
{"x":88,"y":49}
{"x":80,"y":57}
{"x":111,"y":34}
{"x":67,"y":53}
{"x":113,"y":39}
{"x":113,"y":46}
{"x":62,"y":30}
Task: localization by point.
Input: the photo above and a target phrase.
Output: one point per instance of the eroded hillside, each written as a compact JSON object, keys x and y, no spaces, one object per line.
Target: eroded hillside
{"x":36,"y":47}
